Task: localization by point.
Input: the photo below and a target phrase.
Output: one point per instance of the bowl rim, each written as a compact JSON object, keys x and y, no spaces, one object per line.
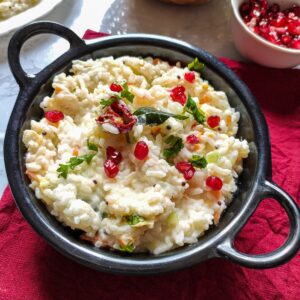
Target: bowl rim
{"x":131,"y":265}
{"x":238,"y":17}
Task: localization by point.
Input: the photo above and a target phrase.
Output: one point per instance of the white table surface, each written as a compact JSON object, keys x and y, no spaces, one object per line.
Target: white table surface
{"x":206,"y":26}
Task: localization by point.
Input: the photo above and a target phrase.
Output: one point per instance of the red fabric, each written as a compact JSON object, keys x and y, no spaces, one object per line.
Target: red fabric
{"x":91,"y":34}
{"x":31,"y":269}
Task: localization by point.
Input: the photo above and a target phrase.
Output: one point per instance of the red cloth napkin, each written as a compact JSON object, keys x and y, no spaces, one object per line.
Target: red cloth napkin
{"x":31,"y":269}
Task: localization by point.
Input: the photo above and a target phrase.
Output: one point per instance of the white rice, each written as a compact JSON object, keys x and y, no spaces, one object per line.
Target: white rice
{"x":10,"y":8}
{"x":152,"y":189}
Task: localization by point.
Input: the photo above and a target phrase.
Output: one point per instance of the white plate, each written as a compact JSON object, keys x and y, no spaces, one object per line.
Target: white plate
{"x":27,"y":16}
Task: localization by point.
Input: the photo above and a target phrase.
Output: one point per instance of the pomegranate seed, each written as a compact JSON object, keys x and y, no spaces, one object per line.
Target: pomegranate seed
{"x":295,"y":44}
{"x":189,"y":76}
{"x":183,"y":166}
{"x":186,"y":169}
{"x":274,"y":8}
{"x":111,"y":169}
{"x":189,"y":173}
{"x":294,"y":27}
{"x":273,"y":37}
{"x":178,"y":95}
{"x":256,"y":29}
{"x":276,"y":26}
{"x":247,"y":19}
{"x":255,"y":12}
{"x":296,"y":10}
{"x":141,"y":150}
{"x":214,"y":183}
{"x":286,"y":39}
{"x":54,"y":116}
{"x":192,"y":139}
{"x":113,"y":154}
{"x":213,"y":121}
{"x":116,"y":87}
{"x":280,"y":21}
{"x":245,"y":9}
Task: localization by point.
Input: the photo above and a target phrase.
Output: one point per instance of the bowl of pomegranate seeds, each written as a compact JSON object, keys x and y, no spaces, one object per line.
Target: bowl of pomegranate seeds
{"x":139,"y":154}
{"x":267,"y":32}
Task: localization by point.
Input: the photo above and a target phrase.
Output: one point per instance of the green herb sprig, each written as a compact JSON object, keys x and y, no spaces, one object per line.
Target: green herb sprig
{"x":126,"y":93}
{"x":191,"y":108}
{"x":134,"y":219}
{"x":127,"y":249}
{"x":198,"y":161}
{"x":64,"y":169}
{"x":91,"y":146}
{"x":196,"y":65}
{"x":176,"y":144}
{"x":110,"y":101}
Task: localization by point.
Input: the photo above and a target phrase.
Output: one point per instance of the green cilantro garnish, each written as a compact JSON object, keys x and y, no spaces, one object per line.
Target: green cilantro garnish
{"x":108,"y":102}
{"x":134,"y":219}
{"x":196,"y":65}
{"x":91,"y":146}
{"x":198,"y":161}
{"x":191,"y":108}
{"x":128,"y":248}
{"x":176,"y":145}
{"x":64,"y":169}
{"x":126,"y":94}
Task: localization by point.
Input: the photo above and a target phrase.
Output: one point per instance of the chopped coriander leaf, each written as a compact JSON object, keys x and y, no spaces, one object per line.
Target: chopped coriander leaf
{"x":176,"y":145}
{"x":126,"y":93}
{"x":134,"y":219}
{"x":64,"y":169}
{"x":128,"y":248}
{"x":91,"y":146}
{"x":191,"y":108}
{"x":151,"y":116}
{"x":110,"y":101}
{"x":196,"y":65}
{"x":198,"y":161}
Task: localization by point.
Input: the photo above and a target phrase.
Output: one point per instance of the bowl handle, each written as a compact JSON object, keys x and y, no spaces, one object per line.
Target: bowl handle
{"x":23,"y":34}
{"x":280,"y":255}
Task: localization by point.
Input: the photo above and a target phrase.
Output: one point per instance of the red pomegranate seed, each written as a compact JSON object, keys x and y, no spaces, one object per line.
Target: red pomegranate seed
{"x":178,"y":94}
{"x":245,"y":9}
{"x":273,"y":37}
{"x":296,"y":10}
{"x":247,"y":19}
{"x":54,"y":116}
{"x":276,"y":26}
{"x":186,"y":169}
{"x":141,"y":150}
{"x":286,"y":39}
{"x":190,"y":77}
{"x":213,"y":121}
{"x":113,"y":154}
{"x":192,"y":139}
{"x":214,"y":183}
{"x":279,"y":21}
{"x":189,"y":173}
{"x":255,"y":12}
{"x":274,"y":8}
{"x":294,"y":27}
{"x":111,"y":169}
{"x":295,"y":44}
{"x":116,"y":87}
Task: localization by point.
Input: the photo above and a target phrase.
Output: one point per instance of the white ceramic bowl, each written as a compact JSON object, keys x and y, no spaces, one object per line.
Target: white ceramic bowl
{"x":256,"y":48}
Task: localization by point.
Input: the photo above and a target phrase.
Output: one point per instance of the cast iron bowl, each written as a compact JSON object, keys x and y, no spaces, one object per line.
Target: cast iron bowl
{"x":254,"y":184}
